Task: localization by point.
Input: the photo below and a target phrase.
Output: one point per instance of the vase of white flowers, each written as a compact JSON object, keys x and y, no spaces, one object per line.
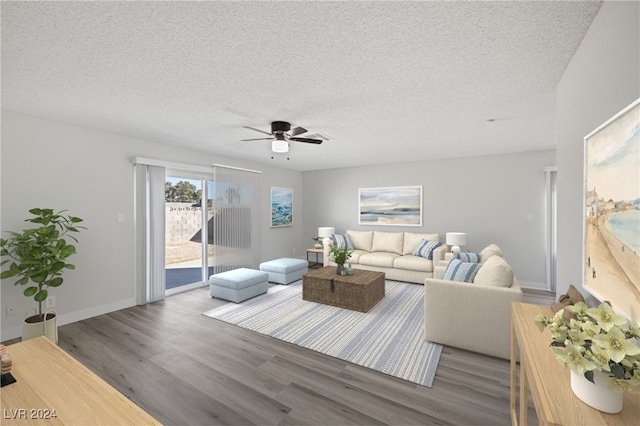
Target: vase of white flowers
{"x":602,"y":350}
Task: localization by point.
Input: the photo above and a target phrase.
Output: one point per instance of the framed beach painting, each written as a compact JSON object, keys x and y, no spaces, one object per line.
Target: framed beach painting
{"x":391,"y":206}
{"x":611,"y":264}
{"x":281,"y":207}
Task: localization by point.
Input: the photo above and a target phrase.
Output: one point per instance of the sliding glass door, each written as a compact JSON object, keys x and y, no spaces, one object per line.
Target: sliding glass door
{"x":192,"y":222}
{"x":188,"y":211}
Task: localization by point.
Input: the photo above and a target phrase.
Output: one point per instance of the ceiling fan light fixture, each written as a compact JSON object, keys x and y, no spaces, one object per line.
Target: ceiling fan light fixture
{"x":281,"y":134}
{"x":280,"y":146}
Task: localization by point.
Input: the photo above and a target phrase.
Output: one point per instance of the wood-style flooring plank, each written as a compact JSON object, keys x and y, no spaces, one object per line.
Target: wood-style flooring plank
{"x":313,"y":408}
{"x":255,"y":406}
{"x":360,"y":398}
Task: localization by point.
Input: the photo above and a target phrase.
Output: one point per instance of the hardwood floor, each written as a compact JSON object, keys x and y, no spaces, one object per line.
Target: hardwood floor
{"x":187,"y":369}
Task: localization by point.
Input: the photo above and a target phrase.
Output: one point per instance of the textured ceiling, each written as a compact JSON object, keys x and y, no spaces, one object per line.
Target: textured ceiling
{"x":386,"y":81}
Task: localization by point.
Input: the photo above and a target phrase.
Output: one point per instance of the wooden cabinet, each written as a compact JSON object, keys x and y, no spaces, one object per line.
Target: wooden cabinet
{"x":54,"y":388}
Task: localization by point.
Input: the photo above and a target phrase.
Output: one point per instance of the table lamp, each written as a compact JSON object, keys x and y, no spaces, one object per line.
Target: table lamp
{"x":455,"y":240}
{"x":325,"y":232}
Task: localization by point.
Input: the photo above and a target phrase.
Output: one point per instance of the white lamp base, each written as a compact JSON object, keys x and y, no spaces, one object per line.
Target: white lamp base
{"x":455,"y":249}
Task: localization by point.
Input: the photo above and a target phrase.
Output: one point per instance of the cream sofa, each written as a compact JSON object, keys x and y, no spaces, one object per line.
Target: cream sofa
{"x":391,"y":253}
{"x":473,"y":316}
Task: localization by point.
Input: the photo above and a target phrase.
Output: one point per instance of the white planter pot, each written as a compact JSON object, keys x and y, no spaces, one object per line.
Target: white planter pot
{"x":48,"y":328}
{"x":597,"y":395}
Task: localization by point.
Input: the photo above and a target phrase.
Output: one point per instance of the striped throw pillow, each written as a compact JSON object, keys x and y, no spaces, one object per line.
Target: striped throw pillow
{"x":425,"y":248}
{"x":342,"y":241}
{"x":467,"y":257}
{"x":461,"y":271}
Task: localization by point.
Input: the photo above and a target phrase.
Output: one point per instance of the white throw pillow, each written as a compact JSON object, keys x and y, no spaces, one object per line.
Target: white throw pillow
{"x":494,"y":272}
{"x":361,"y":240}
{"x":390,"y":242}
{"x":490,"y":250}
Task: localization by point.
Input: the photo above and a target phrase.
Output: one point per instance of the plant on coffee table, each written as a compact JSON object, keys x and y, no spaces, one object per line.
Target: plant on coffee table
{"x":339,"y":255}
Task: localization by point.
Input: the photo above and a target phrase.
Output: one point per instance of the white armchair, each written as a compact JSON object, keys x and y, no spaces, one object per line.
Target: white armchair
{"x":473,"y":316}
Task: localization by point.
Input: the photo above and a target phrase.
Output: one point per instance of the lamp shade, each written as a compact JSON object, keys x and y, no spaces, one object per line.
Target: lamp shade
{"x":326,"y":232}
{"x":280,"y":146}
{"x":456,"y":239}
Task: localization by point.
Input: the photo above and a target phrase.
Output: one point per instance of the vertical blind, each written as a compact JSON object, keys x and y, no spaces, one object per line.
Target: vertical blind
{"x":150,"y":235}
{"x":236,"y":205}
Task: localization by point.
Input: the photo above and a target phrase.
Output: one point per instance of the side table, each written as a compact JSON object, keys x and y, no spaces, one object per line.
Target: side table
{"x":548,"y":381}
{"x":317,"y":264}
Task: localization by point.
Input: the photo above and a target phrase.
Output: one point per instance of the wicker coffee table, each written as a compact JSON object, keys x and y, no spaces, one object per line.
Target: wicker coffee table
{"x":358,"y":292}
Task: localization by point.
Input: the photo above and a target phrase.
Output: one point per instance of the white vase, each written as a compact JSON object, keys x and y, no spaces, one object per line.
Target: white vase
{"x":597,"y":395}
{"x":48,"y":327}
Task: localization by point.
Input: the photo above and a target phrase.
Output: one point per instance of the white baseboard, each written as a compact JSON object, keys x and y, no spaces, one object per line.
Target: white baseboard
{"x":533,"y":285}
{"x":15,"y":332}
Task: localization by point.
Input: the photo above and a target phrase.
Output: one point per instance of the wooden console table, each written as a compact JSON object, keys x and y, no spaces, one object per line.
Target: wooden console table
{"x":548,"y":380}
{"x":54,"y":388}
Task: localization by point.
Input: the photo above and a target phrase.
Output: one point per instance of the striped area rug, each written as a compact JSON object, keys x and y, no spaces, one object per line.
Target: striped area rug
{"x":388,"y":338}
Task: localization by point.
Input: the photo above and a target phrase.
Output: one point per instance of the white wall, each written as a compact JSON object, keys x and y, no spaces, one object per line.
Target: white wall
{"x":487,"y":197}
{"x":89,"y":172}
{"x":602,"y":78}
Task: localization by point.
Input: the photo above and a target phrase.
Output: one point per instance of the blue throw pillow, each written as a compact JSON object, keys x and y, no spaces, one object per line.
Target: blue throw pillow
{"x":467,"y":257}
{"x":461,"y":271}
{"x":342,"y":241}
{"x":425,"y":248}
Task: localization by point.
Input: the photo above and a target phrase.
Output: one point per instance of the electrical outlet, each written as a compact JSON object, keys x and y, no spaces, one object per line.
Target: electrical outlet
{"x":50,"y":302}
{"x":10,"y":310}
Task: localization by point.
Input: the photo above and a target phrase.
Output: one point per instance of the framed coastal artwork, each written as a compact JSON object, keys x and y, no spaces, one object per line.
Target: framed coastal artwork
{"x":391,"y":206}
{"x":611,"y":267}
{"x":281,"y":207}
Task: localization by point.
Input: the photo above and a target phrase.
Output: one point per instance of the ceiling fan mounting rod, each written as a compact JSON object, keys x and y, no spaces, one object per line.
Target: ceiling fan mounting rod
{"x":280,"y":127}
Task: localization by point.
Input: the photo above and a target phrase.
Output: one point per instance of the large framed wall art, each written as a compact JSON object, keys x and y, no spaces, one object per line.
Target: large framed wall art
{"x":391,"y":206}
{"x":611,"y":267}
{"x":281,"y":207}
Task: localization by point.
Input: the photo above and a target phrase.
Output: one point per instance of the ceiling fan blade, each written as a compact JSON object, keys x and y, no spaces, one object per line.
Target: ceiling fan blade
{"x":257,"y":130}
{"x":258,"y":139}
{"x":307,"y":140}
{"x":297,"y":131}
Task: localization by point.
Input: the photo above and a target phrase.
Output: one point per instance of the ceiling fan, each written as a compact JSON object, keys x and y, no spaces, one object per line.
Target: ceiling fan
{"x":281,"y":134}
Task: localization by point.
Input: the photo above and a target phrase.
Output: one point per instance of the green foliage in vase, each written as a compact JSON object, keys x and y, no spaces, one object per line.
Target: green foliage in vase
{"x":339,"y":254}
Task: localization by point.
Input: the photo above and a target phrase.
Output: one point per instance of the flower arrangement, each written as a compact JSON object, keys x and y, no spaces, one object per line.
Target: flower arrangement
{"x":339,"y":254}
{"x":596,"y":339}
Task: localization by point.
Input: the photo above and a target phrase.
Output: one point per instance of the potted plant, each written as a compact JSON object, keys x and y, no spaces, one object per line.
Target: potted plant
{"x":38,"y":256}
{"x":339,"y":255}
{"x":600,"y":346}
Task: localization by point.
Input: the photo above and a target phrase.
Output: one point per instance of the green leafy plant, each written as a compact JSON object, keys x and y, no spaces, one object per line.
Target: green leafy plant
{"x":38,"y":255}
{"x":596,"y":339}
{"x":339,"y":254}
